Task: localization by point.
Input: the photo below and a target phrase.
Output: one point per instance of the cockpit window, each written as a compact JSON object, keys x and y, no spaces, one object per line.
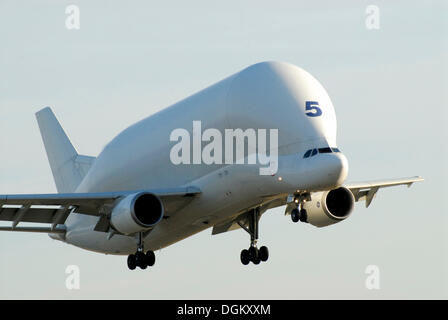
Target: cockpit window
{"x":313,"y":152}
{"x":325,"y":150}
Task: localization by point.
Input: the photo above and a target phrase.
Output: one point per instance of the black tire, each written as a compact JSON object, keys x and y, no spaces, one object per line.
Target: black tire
{"x":295,"y":215}
{"x":253,"y":254}
{"x":303,"y":215}
{"x":256,"y":260}
{"x":245,"y":257}
{"x":132,"y":263}
{"x":150,"y":258}
{"x":263,"y":253}
{"x":141,"y":260}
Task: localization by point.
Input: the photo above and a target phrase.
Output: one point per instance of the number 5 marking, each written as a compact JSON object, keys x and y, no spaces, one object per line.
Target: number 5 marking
{"x":311,"y":106}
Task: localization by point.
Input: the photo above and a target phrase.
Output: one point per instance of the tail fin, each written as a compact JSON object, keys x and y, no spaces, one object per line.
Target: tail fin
{"x":67,"y":166}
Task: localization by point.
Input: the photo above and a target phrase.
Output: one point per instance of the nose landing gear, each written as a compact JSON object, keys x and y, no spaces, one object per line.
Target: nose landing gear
{"x":253,"y":254}
{"x":298,"y":215}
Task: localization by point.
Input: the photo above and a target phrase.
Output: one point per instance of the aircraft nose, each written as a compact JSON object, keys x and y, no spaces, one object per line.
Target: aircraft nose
{"x":328,"y":170}
{"x":338,"y":168}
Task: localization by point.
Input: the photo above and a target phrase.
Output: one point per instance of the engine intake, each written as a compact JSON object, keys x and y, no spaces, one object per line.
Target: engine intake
{"x":137,"y":212}
{"x":329,"y":207}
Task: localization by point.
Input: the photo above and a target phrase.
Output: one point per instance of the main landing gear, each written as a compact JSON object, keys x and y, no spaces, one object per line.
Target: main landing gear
{"x":140,"y":259}
{"x":253,"y":254}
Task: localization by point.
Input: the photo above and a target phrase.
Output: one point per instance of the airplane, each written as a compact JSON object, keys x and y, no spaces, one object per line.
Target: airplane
{"x":133,"y":199}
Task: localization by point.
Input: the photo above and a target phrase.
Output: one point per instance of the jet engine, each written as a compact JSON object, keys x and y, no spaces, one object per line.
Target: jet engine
{"x":329,"y":207}
{"x":136,"y":213}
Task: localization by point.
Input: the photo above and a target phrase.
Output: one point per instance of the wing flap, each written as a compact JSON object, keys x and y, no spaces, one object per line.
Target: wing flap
{"x":34,"y":229}
{"x":38,"y":215}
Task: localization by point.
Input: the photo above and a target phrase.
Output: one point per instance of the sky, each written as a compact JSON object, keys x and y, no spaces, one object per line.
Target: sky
{"x":129,"y":60}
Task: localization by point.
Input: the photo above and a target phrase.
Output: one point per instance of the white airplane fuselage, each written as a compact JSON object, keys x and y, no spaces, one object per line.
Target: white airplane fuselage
{"x":269,"y":95}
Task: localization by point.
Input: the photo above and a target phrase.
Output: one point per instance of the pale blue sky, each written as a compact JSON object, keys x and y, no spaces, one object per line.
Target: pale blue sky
{"x":129,"y":60}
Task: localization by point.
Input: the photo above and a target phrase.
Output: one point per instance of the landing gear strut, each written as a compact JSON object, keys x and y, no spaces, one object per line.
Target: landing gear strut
{"x":140,"y":259}
{"x":253,"y":254}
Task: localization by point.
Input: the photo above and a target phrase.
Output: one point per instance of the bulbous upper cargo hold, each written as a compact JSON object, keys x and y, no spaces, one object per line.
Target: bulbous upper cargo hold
{"x":267,"y":95}
{"x":274,"y":95}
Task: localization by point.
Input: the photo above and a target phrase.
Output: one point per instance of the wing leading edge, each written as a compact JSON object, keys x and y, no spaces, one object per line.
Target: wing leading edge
{"x":367,"y":190}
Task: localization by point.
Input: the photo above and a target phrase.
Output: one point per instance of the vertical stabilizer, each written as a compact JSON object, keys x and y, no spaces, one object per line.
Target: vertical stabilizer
{"x":60,"y":152}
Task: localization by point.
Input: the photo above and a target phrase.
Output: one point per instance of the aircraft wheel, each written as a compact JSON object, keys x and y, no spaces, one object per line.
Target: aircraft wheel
{"x":132,"y":263}
{"x":141,"y":260}
{"x":150,"y":258}
{"x":303,"y":215}
{"x":295,"y":215}
{"x":245,"y":257}
{"x":263,"y":253}
{"x":253,"y":254}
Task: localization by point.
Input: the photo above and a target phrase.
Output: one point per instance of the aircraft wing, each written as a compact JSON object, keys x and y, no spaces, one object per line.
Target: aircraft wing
{"x":54,"y":208}
{"x":361,"y":191}
{"x":367,"y":190}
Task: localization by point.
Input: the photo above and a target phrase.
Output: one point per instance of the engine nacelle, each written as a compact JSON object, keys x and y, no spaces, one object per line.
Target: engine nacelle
{"x":136,"y":213}
{"x":329,"y":207}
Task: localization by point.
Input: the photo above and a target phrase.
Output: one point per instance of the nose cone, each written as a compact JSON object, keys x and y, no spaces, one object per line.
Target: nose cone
{"x":338,"y":169}
{"x":327,"y":171}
